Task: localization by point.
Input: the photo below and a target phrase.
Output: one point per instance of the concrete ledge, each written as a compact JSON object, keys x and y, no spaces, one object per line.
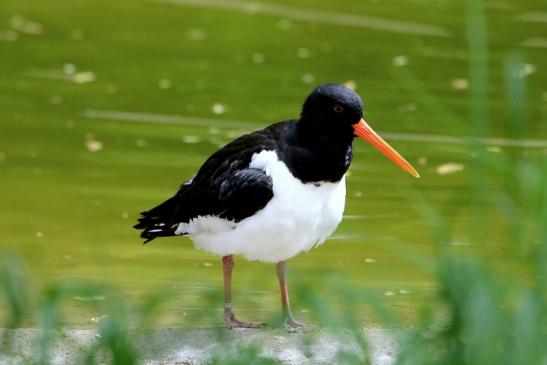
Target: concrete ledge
{"x":199,"y":346}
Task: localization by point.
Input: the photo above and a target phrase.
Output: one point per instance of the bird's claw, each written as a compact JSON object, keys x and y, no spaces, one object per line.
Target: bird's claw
{"x":292,"y":325}
{"x":232,"y":322}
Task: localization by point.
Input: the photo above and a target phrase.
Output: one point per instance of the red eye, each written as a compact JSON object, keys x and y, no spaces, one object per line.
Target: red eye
{"x":338,"y":108}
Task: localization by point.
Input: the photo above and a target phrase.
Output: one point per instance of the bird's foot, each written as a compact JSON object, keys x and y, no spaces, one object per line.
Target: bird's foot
{"x":292,"y":325}
{"x":232,"y":322}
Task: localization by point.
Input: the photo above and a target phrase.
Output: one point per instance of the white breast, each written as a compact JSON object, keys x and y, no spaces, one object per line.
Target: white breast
{"x":298,"y":217}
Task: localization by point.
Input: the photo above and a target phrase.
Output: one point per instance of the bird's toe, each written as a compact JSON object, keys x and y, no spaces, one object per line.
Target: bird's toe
{"x":232,"y":322}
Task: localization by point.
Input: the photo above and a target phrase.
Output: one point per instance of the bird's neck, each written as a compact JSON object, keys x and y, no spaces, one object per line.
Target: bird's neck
{"x":315,"y":156}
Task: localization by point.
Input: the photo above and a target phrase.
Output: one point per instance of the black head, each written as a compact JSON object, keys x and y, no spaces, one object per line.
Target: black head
{"x":333,"y":108}
{"x":333,"y":115}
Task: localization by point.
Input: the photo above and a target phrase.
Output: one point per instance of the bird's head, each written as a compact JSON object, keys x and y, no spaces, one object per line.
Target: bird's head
{"x":337,"y":111}
{"x":333,"y":107}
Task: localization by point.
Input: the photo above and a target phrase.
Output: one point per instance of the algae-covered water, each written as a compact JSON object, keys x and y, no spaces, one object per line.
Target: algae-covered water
{"x":105,"y":107}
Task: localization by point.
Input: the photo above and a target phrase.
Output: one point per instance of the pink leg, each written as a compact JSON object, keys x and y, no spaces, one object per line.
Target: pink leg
{"x":288,"y":318}
{"x":229,"y":316}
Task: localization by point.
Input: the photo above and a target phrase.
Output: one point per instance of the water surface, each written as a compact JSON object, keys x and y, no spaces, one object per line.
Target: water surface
{"x":106,"y":107}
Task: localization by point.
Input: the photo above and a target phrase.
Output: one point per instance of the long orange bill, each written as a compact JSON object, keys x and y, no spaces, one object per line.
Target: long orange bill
{"x":363,"y":130}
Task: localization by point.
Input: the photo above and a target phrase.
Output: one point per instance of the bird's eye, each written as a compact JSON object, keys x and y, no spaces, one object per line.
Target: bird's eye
{"x":338,"y":108}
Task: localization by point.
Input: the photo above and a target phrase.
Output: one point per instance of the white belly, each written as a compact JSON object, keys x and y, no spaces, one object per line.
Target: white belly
{"x":297,"y":218}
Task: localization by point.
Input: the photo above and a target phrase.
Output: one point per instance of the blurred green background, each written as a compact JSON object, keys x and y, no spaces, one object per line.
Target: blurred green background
{"x":105,"y":107}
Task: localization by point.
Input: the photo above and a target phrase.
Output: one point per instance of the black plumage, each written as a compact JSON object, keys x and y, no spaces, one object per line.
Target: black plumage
{"x":317,"y":148}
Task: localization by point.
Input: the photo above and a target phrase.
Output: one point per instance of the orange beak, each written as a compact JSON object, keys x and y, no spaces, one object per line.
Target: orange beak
{"x":363,"y":130}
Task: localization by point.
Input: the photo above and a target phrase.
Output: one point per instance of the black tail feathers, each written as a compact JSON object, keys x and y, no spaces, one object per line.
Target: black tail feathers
{"x":151,"y":233}
{"x":158,"y":222}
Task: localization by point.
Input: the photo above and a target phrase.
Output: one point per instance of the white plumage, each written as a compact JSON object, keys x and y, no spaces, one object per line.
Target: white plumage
{"x":297,"y":218}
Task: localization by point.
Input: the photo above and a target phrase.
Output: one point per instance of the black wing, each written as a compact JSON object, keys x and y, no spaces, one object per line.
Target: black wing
{"x":224,"y":186}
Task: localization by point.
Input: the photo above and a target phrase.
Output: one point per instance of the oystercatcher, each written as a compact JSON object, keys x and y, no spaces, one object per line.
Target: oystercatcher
{"x":273,"y":193}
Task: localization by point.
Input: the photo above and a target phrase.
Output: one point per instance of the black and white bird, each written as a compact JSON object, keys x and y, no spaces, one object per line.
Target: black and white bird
{"x":273,"y":193}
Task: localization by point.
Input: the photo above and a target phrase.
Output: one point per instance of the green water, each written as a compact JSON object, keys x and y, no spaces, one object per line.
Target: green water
{"x":97,"y":101}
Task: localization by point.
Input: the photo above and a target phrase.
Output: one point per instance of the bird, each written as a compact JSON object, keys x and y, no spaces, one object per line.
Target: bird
{"x":273,"y":193}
